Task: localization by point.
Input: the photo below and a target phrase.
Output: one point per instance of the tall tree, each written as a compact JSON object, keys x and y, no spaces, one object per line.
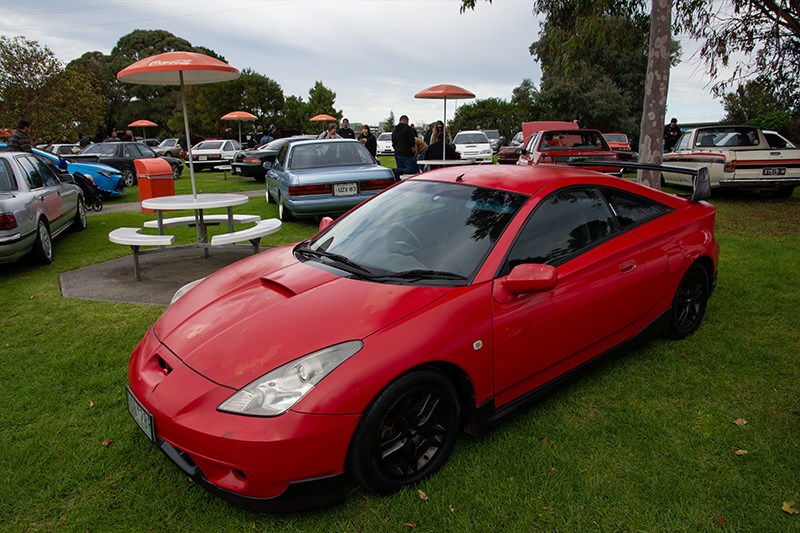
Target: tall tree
{"x":491,"y":114}
{"x":757,"y":103}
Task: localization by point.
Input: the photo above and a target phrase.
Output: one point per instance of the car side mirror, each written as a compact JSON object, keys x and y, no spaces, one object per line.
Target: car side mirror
{"x":325,"y":222}
{"x":520,"y":151}
{"x":528,"y":278}
{"x":701,"y":185}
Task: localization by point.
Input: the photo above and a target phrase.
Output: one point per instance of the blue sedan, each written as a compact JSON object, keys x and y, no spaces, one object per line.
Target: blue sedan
{"x":109,"y":179}
{"x":314,"y":178}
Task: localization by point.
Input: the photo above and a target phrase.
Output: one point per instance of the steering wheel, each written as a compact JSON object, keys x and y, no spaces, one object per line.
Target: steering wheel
{"x":401,"y":240}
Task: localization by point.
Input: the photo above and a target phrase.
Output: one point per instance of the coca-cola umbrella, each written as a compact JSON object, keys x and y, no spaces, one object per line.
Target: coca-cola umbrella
{"x":142,"y":124}
{"x":443,"y":92}
{"x":322,"y":118}
{"x":239,"y":116}
{"x":179,"y":68}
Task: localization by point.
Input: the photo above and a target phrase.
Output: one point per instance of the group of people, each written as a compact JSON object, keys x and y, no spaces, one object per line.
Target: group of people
{"x":366,"y":137}
{"x":408,"y":147}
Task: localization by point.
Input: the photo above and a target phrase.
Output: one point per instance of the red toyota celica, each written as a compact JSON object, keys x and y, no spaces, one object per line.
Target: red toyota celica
{"x":443,"y":304}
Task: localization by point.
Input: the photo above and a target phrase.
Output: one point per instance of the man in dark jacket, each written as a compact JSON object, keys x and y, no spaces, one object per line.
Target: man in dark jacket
{"x":346,"y":132}
{"x":403,"y":142}
{"x":19,"y":140}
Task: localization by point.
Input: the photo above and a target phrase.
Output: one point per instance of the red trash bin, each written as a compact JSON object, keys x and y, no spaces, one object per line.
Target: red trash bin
{"x":155,"y":179}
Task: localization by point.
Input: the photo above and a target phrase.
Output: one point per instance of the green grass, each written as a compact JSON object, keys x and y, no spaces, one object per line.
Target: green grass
{"x":645,"y":443}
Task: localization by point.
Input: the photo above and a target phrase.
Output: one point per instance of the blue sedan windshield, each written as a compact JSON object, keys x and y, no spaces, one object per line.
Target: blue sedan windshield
{"x":444,"y":229}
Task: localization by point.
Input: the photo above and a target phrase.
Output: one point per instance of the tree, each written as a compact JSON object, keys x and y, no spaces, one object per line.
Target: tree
{"x":526,"y":97}
{"x":389,"y":121}
{"x":755,"y":102}
{"x":590,"y":17}
{"x":35,"y":86}
{"x":490,"y":113}
{"x":293,"y":118}
{"x":757,"y":38}
{"x":320,"y":100}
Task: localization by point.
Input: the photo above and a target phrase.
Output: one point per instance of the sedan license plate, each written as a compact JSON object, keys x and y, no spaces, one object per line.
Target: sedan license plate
{"x":345,"y":189}
{"x":773,"y":171}
{"x":237,"y":170}
{"x":140,"y":415}
{"x":202,"y":158}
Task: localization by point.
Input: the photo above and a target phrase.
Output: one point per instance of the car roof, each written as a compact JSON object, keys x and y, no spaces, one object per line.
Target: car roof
{"x":471,"y":131}
{"x":529,"y":179}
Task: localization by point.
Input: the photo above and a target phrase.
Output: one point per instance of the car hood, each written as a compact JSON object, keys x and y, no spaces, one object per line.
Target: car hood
{"x":89,"y":167}
{"x":267,"y":310}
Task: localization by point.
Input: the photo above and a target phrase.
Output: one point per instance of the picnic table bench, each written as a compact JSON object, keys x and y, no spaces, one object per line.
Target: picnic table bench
{"x":133,"y":238}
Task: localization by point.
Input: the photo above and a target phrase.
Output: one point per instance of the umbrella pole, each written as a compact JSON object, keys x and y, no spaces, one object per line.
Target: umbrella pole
{"x":240,"y":131}
{"x":444,"y":129}
{"x":188,"y":136}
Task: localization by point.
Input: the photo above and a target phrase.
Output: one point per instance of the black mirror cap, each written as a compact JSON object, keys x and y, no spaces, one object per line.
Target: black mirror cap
{"x":701,"y":185}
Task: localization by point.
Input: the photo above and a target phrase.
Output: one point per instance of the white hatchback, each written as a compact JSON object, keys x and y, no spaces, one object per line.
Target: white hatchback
{"x":473,"y":145}
{"x":208,"y":154}
{"x":385,"y":144}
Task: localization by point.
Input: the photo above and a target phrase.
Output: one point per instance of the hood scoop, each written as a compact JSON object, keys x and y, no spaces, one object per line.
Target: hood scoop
{"x":296,"y":279}
{"x":279,"y":288}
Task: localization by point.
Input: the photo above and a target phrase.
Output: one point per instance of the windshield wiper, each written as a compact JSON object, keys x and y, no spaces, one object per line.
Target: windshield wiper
{"x":420,"y":274}
{"x":353,"y":267}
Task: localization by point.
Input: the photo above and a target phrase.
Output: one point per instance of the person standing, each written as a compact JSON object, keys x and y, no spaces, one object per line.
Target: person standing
{"x":19,"y":140}
{"x":345,"y":132}
{"x":403,"y":141}
{"x":368,"y":140}
{"x":671,"y":134}
{"x":330,"y":133}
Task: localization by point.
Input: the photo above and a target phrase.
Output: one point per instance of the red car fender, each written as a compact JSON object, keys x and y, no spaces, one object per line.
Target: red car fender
{"x":454,"y":332}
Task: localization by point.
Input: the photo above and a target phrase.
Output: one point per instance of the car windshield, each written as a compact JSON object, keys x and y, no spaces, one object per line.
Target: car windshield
{"x":209,"y":145}
{"x":470,"y":138}
{"x":492,"y":134}
{"x":385,"y":137}
{"x":168,"y":143}
{"x":420,"y":232}
{"x":101,"y":149}
{"x":329,"y":154}
{"x":615,"y":137}
{"x":572,"y":140}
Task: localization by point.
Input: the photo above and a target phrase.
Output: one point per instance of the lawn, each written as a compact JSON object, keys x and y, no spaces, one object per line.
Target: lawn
{"x":694,"y":435}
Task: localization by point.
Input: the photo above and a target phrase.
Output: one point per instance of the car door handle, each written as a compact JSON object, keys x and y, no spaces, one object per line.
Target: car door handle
{"x":627,"y":266}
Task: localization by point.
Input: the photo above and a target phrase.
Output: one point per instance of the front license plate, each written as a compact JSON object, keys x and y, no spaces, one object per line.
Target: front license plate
{"x":345,"y":189}
{"x":140,"y":415}
{"x":237,"y":170}
{"x":773,"y":171}
{"x":202,"y":158}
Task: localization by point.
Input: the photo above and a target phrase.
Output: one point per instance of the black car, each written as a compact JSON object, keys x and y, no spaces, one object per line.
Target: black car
{"x":120,"y":155}
{"x":251,"y":162}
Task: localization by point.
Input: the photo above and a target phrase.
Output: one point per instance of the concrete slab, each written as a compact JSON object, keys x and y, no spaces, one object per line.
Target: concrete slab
{"x":162,"y":275}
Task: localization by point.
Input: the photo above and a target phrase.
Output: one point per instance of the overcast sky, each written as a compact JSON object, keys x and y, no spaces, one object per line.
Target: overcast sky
{"x":374,"y":54}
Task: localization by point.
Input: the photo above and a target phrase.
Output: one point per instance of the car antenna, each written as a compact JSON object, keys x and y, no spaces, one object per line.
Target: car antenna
{"x":460,"y":178}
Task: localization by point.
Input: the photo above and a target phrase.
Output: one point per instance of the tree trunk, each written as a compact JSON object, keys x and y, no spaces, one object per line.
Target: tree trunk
{"x":655,"y":91}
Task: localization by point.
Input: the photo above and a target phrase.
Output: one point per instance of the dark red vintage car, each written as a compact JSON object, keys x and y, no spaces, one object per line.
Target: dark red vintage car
{"x":565,"y":146}
{"x":444,"y":303}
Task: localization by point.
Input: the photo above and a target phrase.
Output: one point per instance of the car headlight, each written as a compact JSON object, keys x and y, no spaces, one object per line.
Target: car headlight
{"x":183,"y":290}
{"x":486,"y":151}
{"x":277,"y":391}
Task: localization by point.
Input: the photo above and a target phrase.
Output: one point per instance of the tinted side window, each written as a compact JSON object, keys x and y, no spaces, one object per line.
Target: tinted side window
{"x":46,"y":171}
{"x":34,"y":179}
{"x":7,"y":181}
{"x":129,"y":150}
{"x":146,"y":151}
{"x":564,"y":224}
{"x":632,"y":209}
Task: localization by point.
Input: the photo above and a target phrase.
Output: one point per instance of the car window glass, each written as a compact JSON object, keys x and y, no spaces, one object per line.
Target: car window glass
{"x":564,"y":224}
{"x":108,"y":149}
{"x":7,"y":181}
{"x":31,"y":175}
{"x":683,"y":143}
{"x":46,"y":171}
{"x":130,"y":151}
{"x":281,"y":159}
{"x":632,"y":209}
{"x":146,"y":151}
{"x":470,"y":138}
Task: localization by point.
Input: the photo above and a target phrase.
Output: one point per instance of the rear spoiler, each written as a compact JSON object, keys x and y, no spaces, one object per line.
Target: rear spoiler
{"x":701,"y":184}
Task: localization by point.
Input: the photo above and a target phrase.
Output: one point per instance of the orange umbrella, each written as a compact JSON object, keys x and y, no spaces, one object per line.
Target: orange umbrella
{"x":142,"y":124}
{"x":179,"y":68}
{"x":443,"y":92}
{"x":239,"y":116}
{"x":321,"y":118}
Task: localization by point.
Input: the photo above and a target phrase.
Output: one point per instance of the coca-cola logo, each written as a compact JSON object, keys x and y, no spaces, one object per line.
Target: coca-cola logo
{"x":159,"y":62}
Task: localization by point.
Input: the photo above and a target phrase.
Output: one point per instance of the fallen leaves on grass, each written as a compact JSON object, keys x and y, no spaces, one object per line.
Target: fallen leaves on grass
{"x":91,"y":404}
{"x":411,"y":525}
{"x":740,"y":422}
{"x":452,"y":509}
{"x":107,"y":442}
{"x":422,"y":495}
{"x":740,"y":453}
{"x":788,"y":507}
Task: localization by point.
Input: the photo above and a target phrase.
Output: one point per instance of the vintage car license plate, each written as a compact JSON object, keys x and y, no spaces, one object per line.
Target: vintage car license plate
{"x":140,"y":415}
{"x":345,"y":189}
{"x":773,"y":171}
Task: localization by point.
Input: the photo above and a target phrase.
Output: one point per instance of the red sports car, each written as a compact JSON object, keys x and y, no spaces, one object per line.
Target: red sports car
{"x":442,"y":304}
{"x":562,"y":147}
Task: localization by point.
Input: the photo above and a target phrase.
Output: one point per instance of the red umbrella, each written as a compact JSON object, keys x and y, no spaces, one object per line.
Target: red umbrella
{"x":321,"y":118}
{"x":239,"y":116}
{"x":142,"y":124}
{"x":443,"y":92}
{"x":179,"y":68}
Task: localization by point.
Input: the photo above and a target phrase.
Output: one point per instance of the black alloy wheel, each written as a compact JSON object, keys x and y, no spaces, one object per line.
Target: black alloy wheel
{"x":79,"y":223}
{"x":408,"y":432}
{"x":128,"y":177}
{"x":689,"y":303}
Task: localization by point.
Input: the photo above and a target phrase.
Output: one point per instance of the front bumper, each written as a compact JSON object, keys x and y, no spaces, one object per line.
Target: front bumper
{"x":286,"y":463}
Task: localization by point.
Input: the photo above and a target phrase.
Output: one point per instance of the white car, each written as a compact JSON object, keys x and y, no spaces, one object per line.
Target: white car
{"x":209,"y":154}
{"x":385,"y":144}
{"x":473,"y":145}
{"x":62,"y":149}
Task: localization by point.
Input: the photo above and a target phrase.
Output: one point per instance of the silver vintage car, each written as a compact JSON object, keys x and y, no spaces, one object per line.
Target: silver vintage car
{"x":36,"y":205}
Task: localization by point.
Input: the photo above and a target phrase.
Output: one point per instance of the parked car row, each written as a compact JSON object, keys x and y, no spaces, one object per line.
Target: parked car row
{"x":120,"y":155}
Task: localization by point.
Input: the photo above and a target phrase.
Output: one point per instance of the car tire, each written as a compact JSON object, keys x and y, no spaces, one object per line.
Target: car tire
{"x":261,"y":179}
{"x":80,"y":222}
{"x":128,"y":176}
{"x":689,"y":303}
{"x":168,"y":154}
{"x":43,"y":247}
{"x":283,"y":212}
{"x":407,"y":433}
{"x":177,"y":170}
